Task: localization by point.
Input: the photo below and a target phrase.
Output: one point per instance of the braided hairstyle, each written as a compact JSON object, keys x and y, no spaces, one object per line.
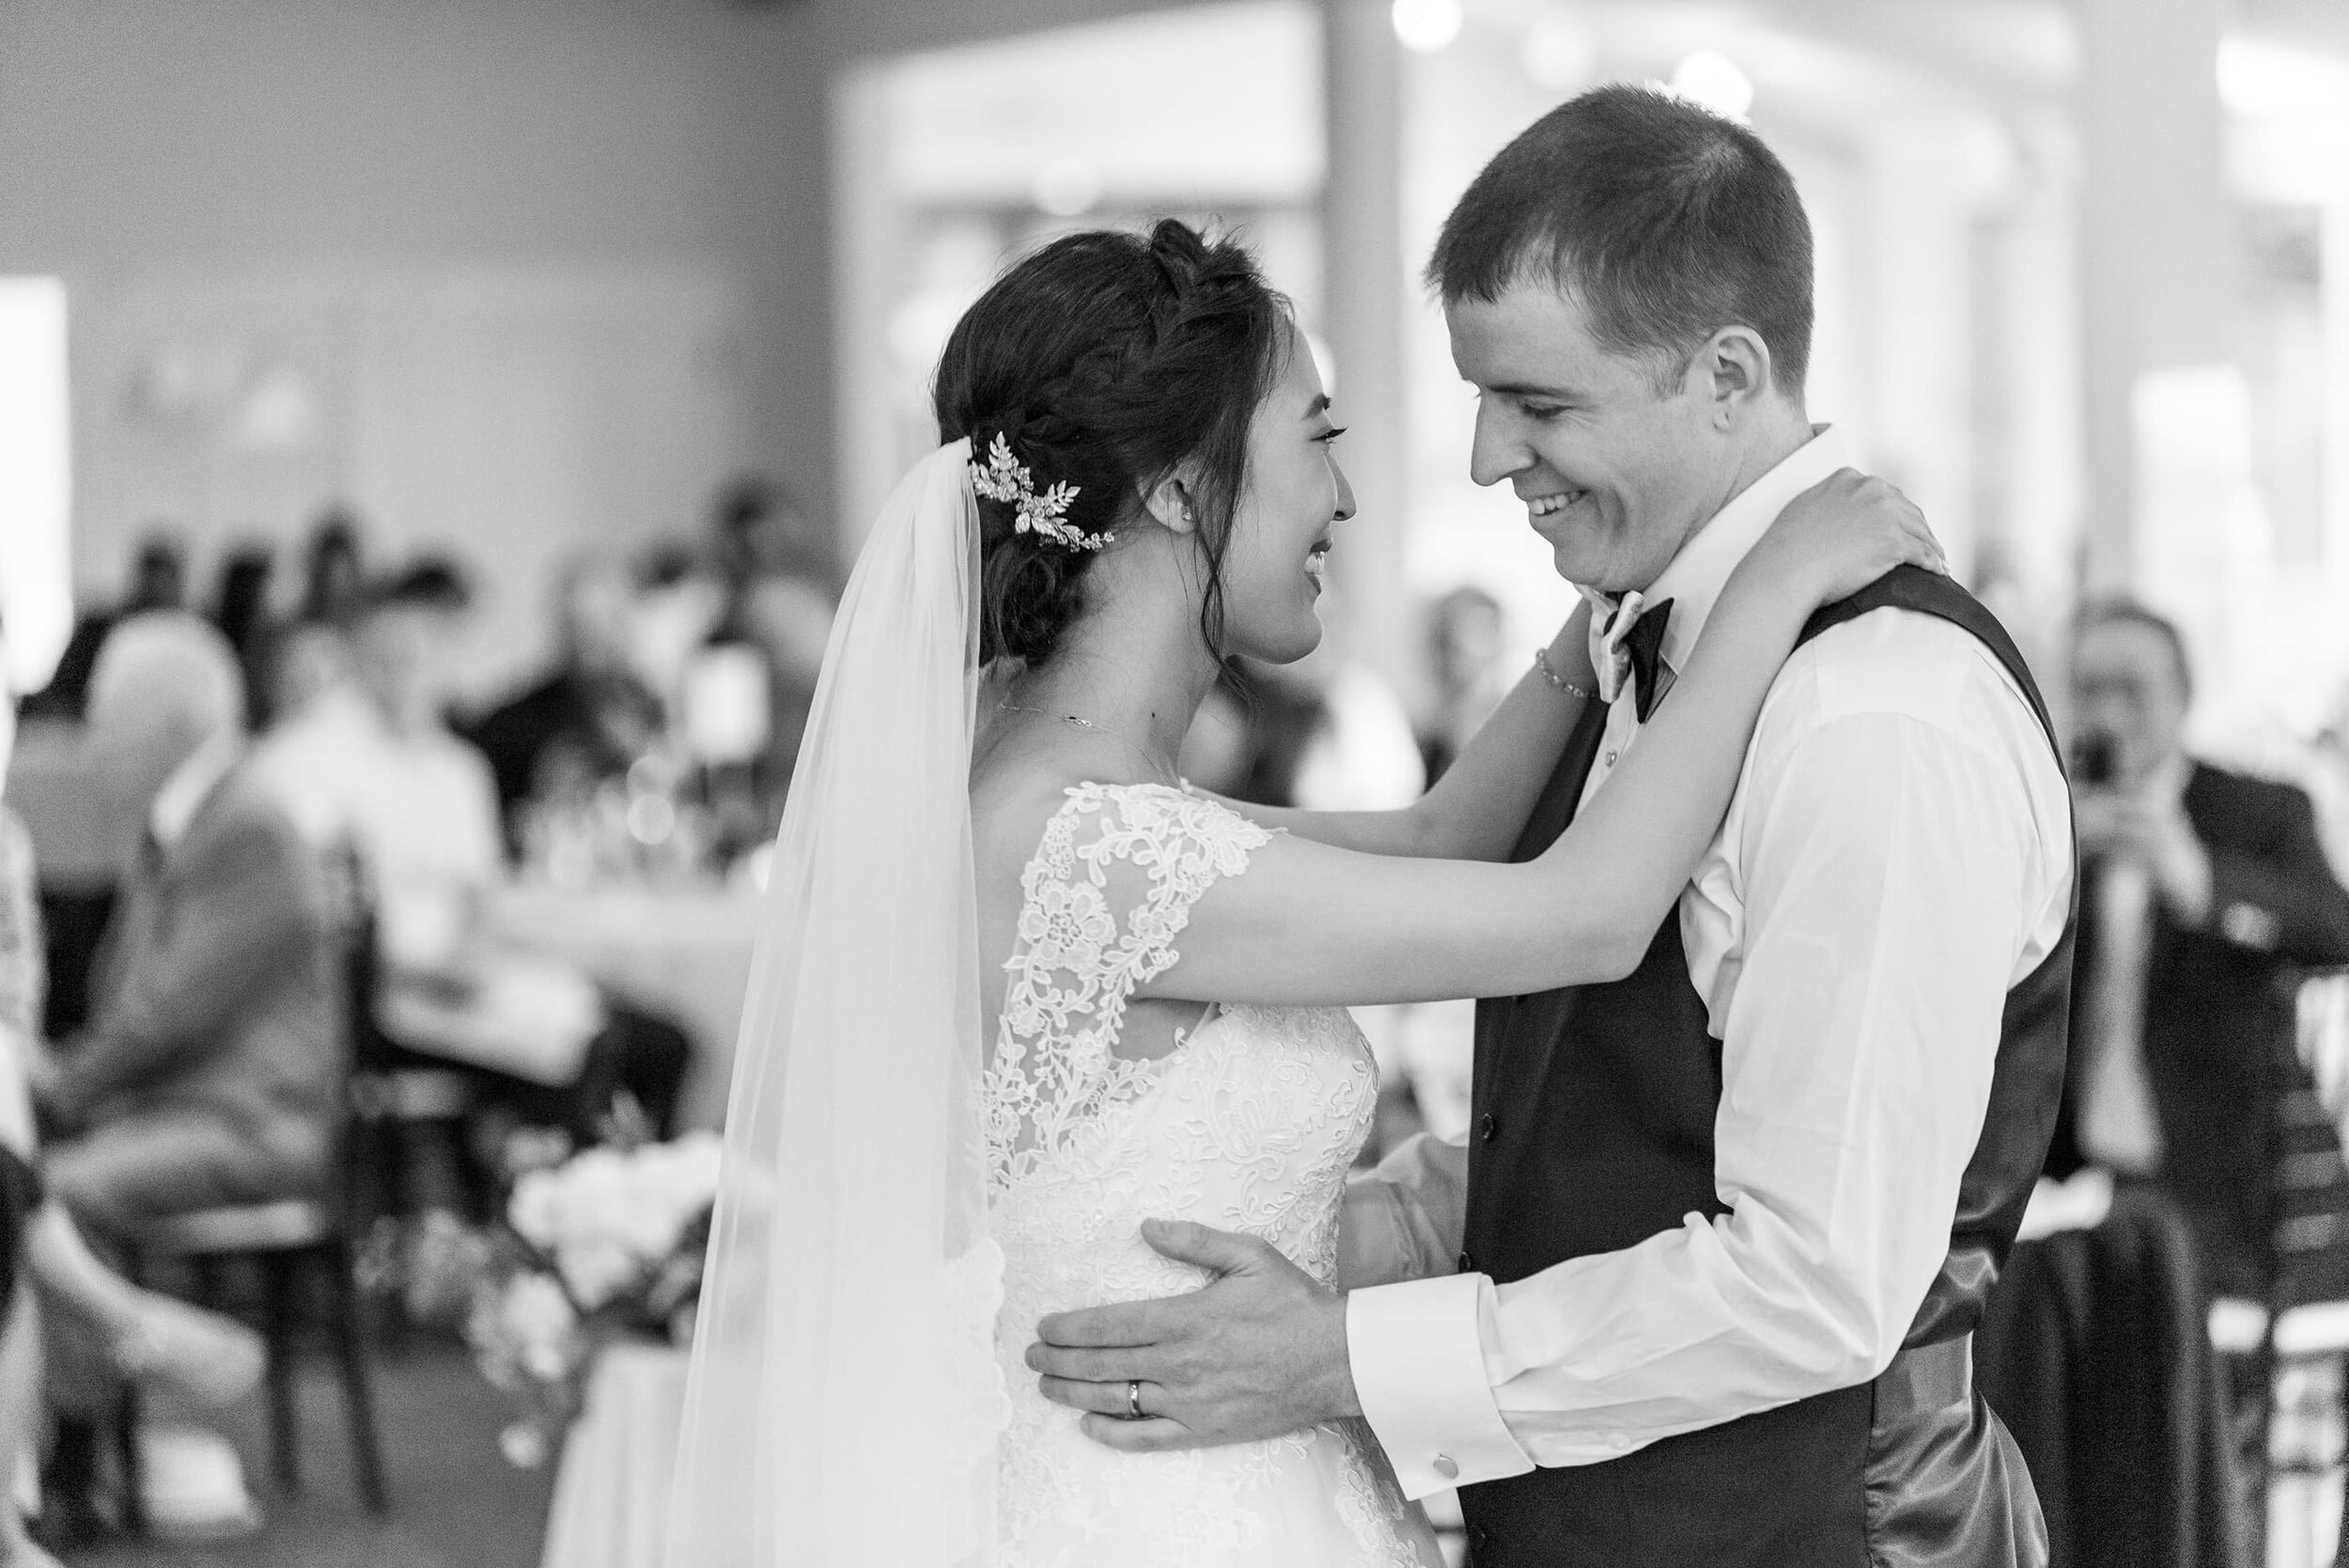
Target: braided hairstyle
{"x":1104,"y":359}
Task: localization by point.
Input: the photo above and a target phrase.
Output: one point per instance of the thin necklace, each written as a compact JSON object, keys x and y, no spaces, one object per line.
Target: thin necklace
{"x":1154,"y":764}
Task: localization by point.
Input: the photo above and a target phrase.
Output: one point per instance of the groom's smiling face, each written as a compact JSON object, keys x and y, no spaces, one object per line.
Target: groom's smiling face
{"x":1615,"y":472}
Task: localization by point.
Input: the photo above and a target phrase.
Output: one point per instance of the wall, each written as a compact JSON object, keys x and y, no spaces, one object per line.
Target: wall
{"x":271,"y":215}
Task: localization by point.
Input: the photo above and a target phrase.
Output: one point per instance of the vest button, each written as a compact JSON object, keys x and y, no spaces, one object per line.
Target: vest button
{"x":1467,"y":1264}
{"x":1486,"y":1126}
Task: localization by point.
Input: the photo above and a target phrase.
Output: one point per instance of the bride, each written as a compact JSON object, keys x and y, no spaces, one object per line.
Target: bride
{"x":1019,"y":989}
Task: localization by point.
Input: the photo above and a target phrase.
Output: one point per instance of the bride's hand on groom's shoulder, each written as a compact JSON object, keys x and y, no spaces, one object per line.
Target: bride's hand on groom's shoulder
{"x":1842,"y":535}
{"x":1258,"y":1351}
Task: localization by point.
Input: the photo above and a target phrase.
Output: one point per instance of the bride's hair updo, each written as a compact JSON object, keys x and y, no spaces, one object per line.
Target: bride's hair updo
{"x":1104,"y":359}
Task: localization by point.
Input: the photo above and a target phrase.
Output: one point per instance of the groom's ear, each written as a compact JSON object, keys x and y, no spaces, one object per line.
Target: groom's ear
{"x":1734,"y":368}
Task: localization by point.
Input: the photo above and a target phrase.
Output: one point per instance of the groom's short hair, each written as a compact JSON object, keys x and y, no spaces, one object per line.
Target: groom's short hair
{"x":1664,"y":221}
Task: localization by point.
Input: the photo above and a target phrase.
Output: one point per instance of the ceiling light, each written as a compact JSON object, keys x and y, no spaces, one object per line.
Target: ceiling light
{"x":2267,"y":80}
{"x":1426,"y":27}
{"x":1712,"y":79}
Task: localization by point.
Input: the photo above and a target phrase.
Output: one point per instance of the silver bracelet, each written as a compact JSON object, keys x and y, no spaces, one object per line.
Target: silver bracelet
{"x":1540,"y":663}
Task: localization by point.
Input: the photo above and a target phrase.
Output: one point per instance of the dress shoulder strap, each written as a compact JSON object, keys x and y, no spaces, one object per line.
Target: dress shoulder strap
{"x":1108,"y":893}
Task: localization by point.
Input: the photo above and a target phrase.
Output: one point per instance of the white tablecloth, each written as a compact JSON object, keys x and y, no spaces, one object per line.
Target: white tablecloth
{"x":682,"y":953}
{"x":612,"y":1494}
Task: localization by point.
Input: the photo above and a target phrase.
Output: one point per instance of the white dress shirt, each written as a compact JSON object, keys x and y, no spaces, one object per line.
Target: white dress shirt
{"x":1896,"y":857}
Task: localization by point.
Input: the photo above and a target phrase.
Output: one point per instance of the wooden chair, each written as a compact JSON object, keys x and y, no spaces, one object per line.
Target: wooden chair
{"x":289,"y":1244}
{"x":391,"y":1099}
{"x":2281,"y":1345}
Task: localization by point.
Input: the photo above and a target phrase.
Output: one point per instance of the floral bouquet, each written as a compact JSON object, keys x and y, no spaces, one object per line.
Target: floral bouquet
{"x":607,"y":1242}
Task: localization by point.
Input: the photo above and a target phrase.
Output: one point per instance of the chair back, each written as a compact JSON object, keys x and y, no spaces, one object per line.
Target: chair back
{"x":2308,"y":1180}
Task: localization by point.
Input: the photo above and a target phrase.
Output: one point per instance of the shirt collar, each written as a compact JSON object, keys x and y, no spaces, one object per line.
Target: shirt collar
{"x":184,"y":793}
{"x":1694,"y":579}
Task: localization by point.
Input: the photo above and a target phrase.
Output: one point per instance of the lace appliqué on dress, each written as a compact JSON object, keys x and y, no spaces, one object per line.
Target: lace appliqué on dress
{"x":1075,"y":964}
{"x":1247,"y":1124}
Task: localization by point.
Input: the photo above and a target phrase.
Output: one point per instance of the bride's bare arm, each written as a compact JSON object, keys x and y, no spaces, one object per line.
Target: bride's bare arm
{"x":1310,"y":922}
{"x":1478,"y":808}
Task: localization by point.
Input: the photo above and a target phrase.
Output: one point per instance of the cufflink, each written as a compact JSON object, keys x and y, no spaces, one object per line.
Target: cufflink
{"x":1446,"y":1467}
{"x":2248,"y":926}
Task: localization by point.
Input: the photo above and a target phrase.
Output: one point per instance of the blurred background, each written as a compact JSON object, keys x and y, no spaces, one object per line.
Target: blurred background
{"x":520,"y":377}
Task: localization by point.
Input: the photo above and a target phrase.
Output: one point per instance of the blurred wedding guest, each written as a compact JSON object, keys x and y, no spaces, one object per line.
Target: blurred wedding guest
{"x":1276,"y":716}
{"x":1464,"y":659}
{"x":1362,"y":756}
{"x":240,"y":610}
{"x":140,"y":1334}
{"x":2202,"y":893}
{"x":775,"y":569}
{"x":309,"y":672}
{"x":241,"y":598}
{"x":159,"y":578}
{"x":587,"y":718}
{"x":334,"y":575}
{"x":419,"y":805}
{"x":210,"y":1068}
{"x":1327,"y":734}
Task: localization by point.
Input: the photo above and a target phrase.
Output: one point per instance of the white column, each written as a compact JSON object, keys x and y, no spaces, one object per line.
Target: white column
{"x":1365,"y":285}
{"x":2154,"y":278}
{"x":2335,"y":297}
{"x":1921,"y":199}
{"x":2038,"y":473}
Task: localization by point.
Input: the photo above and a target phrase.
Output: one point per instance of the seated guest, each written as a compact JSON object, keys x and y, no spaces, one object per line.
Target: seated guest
{"x":334,"y":573}
{"x":208,"y":1072}
{"x":136,"y":1334}
{"x":199,"y":1354}
{"x":418,"y":805}
{"x":2201,"y":892}
{"x":240,"y":610}
{"x":586,"y":719}
{"x":1464,"y":634}
{"x":159,"y":581}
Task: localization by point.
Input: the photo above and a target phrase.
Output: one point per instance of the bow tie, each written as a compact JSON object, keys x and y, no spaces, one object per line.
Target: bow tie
{"x":1627,"y":639}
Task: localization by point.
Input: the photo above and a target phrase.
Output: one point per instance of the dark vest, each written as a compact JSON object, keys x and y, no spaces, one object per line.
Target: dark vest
{"x":1593,"y":1130}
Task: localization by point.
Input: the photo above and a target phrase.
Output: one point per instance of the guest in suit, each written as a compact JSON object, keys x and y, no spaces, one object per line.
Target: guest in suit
{"x":129,"y":1332}
{"x":208,"y":1072}
{"x":2204,"y":893}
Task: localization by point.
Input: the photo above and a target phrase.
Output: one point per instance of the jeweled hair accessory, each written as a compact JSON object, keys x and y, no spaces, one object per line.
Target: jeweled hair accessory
{"x":1004,"y":477}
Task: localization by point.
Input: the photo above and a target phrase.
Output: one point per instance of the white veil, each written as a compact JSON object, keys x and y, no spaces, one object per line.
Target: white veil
{"x":845,"y":1397}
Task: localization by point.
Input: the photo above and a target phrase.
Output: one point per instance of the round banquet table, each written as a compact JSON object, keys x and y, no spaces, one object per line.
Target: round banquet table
{"x":684,"y":952}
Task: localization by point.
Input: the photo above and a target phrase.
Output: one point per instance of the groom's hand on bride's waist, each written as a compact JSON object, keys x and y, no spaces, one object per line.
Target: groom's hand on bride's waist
{"x":1259,"y":1351}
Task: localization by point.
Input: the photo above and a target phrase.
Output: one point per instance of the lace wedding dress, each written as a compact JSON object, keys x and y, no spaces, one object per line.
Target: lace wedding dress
{"x":1250,"y":1125}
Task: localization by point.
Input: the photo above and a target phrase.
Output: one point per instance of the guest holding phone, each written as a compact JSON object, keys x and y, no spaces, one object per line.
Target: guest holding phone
{"x":2203,"y":896}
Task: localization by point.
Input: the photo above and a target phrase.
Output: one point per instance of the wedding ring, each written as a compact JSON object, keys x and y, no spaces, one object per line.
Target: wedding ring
{"x":1133,"y":1400}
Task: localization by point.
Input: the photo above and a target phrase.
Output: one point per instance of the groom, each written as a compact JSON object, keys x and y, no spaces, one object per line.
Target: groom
{"x":1700,"y":1287}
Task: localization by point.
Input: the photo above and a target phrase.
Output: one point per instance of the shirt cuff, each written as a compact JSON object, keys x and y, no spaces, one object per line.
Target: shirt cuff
{"x":1418,"y":1358}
